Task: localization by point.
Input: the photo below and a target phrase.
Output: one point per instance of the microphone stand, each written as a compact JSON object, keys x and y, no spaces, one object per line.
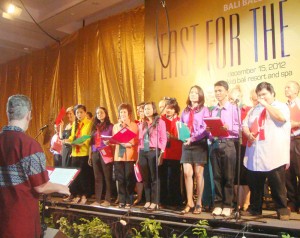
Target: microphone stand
{"x":237,"y":212}
{"x":40,"y":132}
{"x":43,"y":223}
{"x":156,"y":157}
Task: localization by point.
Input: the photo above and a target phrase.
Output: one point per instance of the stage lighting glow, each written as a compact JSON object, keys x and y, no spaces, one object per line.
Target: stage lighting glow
{"x":11,"y":8}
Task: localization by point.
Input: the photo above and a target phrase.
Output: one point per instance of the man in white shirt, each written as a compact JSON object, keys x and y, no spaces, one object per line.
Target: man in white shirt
{"x":267,"y":154}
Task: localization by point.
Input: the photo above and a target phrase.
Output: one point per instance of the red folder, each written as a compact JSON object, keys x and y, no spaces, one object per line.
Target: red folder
{"x":216,"y":126}
{"x":137,"y":172}
{"x":123,"y":136}
{"x":60,"y":116}
{"x":254,"y":129}
{"x":295,"y":113}
{"x":107,"y":154}
{"x":57,"y":146}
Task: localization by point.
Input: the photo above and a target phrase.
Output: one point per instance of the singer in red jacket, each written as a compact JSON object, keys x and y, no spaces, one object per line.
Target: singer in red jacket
{"x":170,"y":169}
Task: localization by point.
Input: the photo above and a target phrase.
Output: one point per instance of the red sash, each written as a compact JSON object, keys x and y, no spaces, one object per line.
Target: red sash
{"x":97,"y":139}
{"x":191,"y":120}
{"x":78,"y":134}
{"x":261,"y":124}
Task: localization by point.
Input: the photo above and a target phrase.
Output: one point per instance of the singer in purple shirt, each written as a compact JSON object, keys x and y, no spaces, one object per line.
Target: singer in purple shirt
{"x":194,"y":149}
{"x":223,"y":154}
{"x":152,"y":144}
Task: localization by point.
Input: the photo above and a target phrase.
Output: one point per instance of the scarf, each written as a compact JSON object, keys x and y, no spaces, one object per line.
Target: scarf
{"x":98,"y":139}
{"x":78,"y":135}
{"x":191,"y":120}
{"x":261,"y":124}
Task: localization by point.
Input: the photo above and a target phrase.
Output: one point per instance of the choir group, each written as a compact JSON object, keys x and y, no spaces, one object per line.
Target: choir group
{"x":257,"y":143}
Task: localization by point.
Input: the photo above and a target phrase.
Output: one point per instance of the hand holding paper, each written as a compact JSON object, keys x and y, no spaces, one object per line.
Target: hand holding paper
{"x":216,"y":127}
{"x":81,"y":140}
{"x":182,"y":131}
{"x":62,"y":176}
{"x":254,"y":130}
{"x":60,"y":116}
{"x":123,"y":136}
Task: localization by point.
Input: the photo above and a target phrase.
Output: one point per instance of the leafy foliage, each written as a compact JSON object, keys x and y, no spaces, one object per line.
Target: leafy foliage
{"x":150,"y":229}
{"x":87,"y":229}
{"x":284,"y":235}
{"x":200,"y":229}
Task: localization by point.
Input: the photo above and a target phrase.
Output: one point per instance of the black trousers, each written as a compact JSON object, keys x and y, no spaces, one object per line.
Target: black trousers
{"x":151,"y":181}
{"x":66,"y":155}
{"x":170,"y":182}
{"x":276,"y":179}
{"x":103,"y":174}
{"x":223,"y":161}
{"x":57,"y":160}
{"x":126,"y":180}
{"x":82,"y":184}
{"x":293,"y":174}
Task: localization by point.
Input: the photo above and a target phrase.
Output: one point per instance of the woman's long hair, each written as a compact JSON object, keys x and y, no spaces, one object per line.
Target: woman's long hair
{"x":155,"y":115}
{"x":98,"y":125}
{"x":201,"y":99}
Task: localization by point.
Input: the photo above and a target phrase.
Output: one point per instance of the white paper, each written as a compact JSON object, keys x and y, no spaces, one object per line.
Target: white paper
{"x":62,"y":176}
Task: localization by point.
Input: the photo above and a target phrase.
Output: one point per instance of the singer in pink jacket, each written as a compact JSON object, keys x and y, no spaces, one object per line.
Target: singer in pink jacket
{"x":152,"y":144}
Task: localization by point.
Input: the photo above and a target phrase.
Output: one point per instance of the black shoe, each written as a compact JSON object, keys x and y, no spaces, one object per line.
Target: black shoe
{"x":250,"y":212}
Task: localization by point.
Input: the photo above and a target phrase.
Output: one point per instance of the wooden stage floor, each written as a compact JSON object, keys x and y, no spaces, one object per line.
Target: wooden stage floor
{"x":266,"y":225}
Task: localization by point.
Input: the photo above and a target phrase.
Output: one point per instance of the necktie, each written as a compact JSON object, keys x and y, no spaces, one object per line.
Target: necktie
{"x":219,"y":112}
{"x":122,"y":150}
{"x":146,"y":140}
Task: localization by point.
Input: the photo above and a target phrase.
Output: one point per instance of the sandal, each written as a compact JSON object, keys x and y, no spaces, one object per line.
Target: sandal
{"x":153,"y":207}
{"x":68,"y":199}
{"x":147,"y":205}
{"x":83,"y":200}
{"x":186,"y":209}
{"x":197,"y":210}
{"x":76,"y":200}
{"x":137,"y":201}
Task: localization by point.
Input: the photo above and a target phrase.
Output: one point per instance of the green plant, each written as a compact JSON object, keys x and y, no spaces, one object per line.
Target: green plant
{"x":150,"y":229}
{"x":48,"y":220}
{"x":200,"y":229}
{"x":86,"y":229}
{"x":65,"y":227}
{"x":284,"y":235}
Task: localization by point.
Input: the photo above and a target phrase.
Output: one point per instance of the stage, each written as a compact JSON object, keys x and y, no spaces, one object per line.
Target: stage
{"x":173,"y":222}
